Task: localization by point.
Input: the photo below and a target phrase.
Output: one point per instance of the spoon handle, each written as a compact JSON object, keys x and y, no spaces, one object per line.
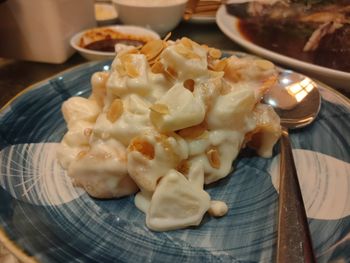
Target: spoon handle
{"x":294,"y":241}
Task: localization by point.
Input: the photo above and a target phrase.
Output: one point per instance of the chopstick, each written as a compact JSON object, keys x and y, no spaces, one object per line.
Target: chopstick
{"x":204,"y":8}
{"x":201,"y":8}
{"x":190,"y":8}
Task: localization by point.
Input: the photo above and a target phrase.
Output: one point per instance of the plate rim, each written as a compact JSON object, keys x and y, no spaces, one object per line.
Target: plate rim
{"x":222,"y":18}
{"x":10,"y":244}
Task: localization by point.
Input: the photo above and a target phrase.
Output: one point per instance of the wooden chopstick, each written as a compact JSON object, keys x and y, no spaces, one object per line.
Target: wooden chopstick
{"x":209,"y":2}
{"x":201,"y":8}
{"x":205,"y":14}
{"x":190,"y":9}
{"x":205,"y":8}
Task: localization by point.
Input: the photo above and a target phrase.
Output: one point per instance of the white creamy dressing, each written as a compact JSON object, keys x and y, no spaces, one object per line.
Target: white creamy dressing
{"x":218,"y":208}
{"x":133,"y":121}
{"x":167,"y":155}
{"x":185,"y":110}
{"x":143,"y":149}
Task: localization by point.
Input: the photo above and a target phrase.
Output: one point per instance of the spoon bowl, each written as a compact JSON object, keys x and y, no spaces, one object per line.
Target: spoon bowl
{"x":297,"y":101}
{"x":295,"y":98}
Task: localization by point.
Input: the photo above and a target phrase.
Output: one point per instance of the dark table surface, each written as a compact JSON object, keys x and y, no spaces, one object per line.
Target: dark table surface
{"x":16,"y":75}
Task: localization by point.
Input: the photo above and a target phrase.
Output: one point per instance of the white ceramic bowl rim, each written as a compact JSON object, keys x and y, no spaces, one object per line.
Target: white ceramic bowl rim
{"x":125,"y":29}
{"x":150,"y":5}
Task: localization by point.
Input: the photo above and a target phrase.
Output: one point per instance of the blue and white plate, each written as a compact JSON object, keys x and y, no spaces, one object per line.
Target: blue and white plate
{"x":49,"y":220}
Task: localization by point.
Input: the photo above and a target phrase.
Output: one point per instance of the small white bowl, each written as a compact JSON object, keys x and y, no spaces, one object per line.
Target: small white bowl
{"x":160,"y":15}
{"x":101,"y":55}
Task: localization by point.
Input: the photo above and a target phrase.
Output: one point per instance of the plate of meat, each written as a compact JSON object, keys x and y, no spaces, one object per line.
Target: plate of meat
{"x":312,"y":36}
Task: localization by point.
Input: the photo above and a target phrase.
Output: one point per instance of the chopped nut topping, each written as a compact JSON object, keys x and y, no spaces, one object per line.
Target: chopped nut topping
{"x":157,"y":67}
{"x":215,"y":53}
{"x":187,"y":42}
{"x":154,"y":61}
{"x":135,"y":50}
{"x":81,"y":155}
{"x":125,"y":58}
{"x":153,"y":48}
{"x":213,"y":158}
{"x":167,"y":36}
{"x":170,"y":73}
{"x":87,"y":131}
{"x":206,"y":47}
{"x":115,"y":111}
{"x":186,"y":52}
{"x":131,"y":70}
{"x":189,"y":84}
{"x":142,"y":146}
{"x":220,"y":66}
{"x":127,"y":66}
{"x":193,"y":132}
{"x":267,"y":83}
{"x":183,"y":167}
{"x":160,"y":108}
{"x":182,"y":49}
{"x":264,"y":64}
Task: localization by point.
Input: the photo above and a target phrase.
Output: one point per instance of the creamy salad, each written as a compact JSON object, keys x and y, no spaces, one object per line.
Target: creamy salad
{"x":167,"y":119}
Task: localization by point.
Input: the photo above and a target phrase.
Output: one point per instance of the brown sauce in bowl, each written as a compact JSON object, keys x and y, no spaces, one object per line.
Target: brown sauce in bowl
{"x":104,"y":39}
{"x":107,"y":45}
{"x":289,"y":39}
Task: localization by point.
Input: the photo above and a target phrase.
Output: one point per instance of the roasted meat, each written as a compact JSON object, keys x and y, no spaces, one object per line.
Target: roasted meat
{"x":315,"y":31}
{"x":323,"y":17}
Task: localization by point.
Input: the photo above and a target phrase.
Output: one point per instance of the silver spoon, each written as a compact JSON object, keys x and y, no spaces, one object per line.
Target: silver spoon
{"x":297,"y":101}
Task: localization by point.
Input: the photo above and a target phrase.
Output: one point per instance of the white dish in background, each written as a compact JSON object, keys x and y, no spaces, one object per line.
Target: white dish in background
{"x":105,"y":14}
{"x":205,"y":12}
{"x":229,"y":26}
{"x":160,"y":15}
{"x":100,"y":55}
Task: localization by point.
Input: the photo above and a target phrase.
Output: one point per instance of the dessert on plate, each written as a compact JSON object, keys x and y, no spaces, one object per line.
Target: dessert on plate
{"x":168,"y":118}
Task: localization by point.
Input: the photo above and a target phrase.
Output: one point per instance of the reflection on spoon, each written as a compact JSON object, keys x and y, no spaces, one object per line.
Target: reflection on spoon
{"x":295,"y":88}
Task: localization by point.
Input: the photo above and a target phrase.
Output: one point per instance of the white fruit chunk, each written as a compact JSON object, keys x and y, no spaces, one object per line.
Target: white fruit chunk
{"x":78,"y":108}
{"x":150,"y":156}
{"x":176,"y":203}
{"x":102,"y":172}
{"x":230,"y":110}
{"x":184,"y":110}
